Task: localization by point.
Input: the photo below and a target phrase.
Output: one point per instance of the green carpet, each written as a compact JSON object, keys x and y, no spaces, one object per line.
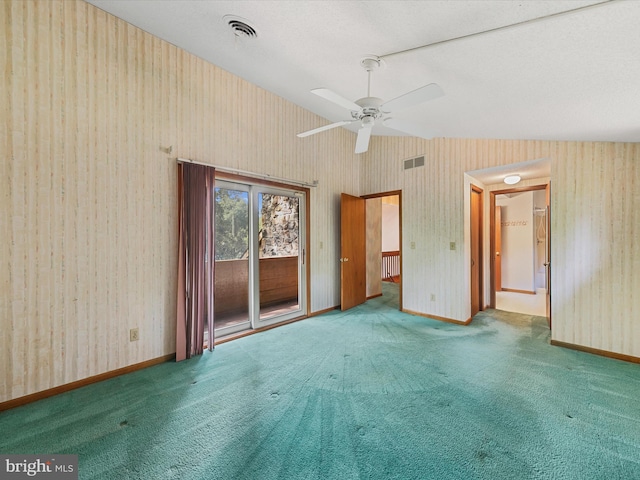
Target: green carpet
{"x":370,"y":393}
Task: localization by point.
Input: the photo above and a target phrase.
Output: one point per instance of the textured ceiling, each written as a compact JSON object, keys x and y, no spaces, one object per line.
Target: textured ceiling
{"x":573,"y":76}
{"x":531,"y":169}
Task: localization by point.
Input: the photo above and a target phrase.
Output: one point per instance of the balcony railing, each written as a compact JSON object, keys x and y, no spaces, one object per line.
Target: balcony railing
{"x":390,"y":265}
{"x":278,"y":283}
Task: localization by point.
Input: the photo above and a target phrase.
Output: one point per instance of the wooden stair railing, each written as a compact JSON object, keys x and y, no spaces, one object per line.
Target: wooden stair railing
{"x":390,"y":265}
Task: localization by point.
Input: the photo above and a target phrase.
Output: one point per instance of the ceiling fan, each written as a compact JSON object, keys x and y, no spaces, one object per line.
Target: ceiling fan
{"x":368,"y":110}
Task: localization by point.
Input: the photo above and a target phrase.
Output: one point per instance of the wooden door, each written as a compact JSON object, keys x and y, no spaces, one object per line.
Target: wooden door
{"x":476,"y":250}
{"x":353,"y":257}
{"x":547,"y":262}
{"x":497,"y":232}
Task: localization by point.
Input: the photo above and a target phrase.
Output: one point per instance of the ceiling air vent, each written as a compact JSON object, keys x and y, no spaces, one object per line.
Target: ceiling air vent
{"x":414,"y":162}
{"x":240,"y":26}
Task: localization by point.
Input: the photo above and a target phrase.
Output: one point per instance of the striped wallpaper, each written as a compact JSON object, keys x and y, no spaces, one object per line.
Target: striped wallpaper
{"x":90,"y":107}
{"x":595,"y":230}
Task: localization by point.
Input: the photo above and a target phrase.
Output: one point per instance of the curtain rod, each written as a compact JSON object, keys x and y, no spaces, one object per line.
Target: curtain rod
{"x":263,"y":176}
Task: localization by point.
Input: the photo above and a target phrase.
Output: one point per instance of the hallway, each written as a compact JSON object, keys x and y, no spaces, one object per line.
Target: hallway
{"x":522,"y":303}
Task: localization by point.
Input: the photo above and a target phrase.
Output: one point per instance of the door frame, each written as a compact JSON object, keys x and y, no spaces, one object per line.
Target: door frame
{"x":497,"y":248}
{"x":475,"y":190}
{"x":547,"y":259}
{"x":389,"y":194}
{"x":492,"y":231}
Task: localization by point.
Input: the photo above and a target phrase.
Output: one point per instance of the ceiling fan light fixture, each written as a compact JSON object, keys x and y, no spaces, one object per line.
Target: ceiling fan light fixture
{"x":512,"y":179}
{"x":368,"y":121}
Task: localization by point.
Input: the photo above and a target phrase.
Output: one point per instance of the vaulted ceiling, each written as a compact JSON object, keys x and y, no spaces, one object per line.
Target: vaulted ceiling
{"x":550,"y":70}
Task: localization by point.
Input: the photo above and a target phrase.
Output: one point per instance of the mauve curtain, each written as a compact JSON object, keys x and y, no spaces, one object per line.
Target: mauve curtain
{"x":195,"y":260}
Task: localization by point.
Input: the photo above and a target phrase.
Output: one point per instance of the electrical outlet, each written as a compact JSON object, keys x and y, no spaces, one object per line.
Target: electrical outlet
{"x":134,"y":335}
{"x":452,"y":245}
{"x":413,"y":245}
{"x":433,"y":297}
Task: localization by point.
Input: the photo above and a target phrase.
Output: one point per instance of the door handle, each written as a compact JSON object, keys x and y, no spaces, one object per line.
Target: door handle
{"x":345,"y":259}
{"x":546,"y":264}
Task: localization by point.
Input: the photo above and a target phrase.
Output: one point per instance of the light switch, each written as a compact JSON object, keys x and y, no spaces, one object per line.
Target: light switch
{"x":413,"y":245}
{"x":452,"y":245}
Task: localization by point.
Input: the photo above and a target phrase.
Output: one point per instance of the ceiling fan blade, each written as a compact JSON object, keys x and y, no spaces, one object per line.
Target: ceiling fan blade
{"x":411,"y":128}
{"x":362,"y":142}
{"x":335,"y":98}
{"x":326,"y":127}
{"x":419,"y":95}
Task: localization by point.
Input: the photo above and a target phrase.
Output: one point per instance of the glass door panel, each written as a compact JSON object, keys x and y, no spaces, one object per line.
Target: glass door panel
{"x":280,"y":255}
{"x":232,"y":256}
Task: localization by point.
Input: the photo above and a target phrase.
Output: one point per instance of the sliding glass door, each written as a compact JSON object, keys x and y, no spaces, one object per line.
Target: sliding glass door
{"x":260,"y":265}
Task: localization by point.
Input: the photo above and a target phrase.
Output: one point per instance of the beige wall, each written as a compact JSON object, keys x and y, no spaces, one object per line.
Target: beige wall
{"x":595,"y":204}
{"x":87,"y":195}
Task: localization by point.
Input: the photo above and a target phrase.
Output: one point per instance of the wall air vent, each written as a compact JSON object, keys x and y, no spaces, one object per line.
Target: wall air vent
{"x":414,"y":162}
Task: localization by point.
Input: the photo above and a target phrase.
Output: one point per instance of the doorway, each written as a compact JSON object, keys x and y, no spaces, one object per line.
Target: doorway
{"x":384,"y":246}
{"x":519,"y":239}
{"x":260,"y":244}
{"x":390,"y":268}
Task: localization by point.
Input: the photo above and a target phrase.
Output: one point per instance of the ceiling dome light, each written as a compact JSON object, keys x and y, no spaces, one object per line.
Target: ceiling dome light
{"x":512,"y":179}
